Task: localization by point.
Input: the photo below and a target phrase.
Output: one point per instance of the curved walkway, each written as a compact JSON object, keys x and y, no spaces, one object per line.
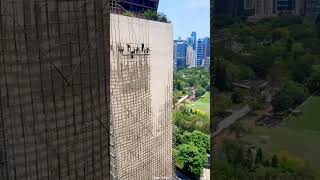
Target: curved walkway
{"x":227,"y":122}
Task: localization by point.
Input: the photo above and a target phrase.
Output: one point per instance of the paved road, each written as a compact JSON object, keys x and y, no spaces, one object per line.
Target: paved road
{"x":227,"y":122}
{"x":182,"y":99}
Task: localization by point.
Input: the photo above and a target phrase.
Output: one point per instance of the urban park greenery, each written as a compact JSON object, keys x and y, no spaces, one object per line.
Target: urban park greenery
{"x":191,"y":120}
{"x":283,"y":51}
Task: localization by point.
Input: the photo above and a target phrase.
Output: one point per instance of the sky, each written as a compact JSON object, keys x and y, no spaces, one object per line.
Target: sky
{"x":187,"y":16}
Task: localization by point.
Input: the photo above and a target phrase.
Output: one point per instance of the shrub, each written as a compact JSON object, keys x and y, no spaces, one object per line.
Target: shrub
{"x":154,"y":16}
{"x":130,"y":14}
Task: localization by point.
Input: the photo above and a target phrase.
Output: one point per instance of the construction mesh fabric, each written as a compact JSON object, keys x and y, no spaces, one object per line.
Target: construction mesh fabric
{"x":53,"y":89}
{"x":130,"y":82}
{"x":141,"y":134}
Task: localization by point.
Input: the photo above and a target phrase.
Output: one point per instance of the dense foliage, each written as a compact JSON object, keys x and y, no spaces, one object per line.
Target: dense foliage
{"x":283,"y":51}
{"x":191,"y":158}
{"x":278,"y":50}
{"x":187,"y":119}
{"x":244,"y":161}
{"x":290,"y":95}
{"x":188,"y":80}
{"x":192,"y":140}
{"x":191,"y":125}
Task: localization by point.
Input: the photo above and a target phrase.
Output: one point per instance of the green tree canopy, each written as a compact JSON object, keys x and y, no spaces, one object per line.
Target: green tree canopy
{"x":199,"y":139}
{"x":155,"y":16}
{"x":191,"y":158}
{"x":290,"y":95}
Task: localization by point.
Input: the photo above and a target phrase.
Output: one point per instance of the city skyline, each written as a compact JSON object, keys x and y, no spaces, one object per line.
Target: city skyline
{"x":186,"y":39}
{"x":192,"y":51}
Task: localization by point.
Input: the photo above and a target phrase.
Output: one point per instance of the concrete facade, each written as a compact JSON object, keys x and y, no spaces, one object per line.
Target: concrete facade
{"x":141,"y":98}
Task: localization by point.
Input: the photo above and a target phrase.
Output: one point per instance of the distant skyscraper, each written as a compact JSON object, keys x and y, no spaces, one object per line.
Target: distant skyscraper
{"x":194,"y":40}
{"x":191,"y":57}
{"x":181,"y":53}
{"x":249,"y":4}
{"x":249,"y":7}
{"x":200,"y":52}
{"x":206,"y":52}
{"x":175,"y":55}
{"x":190,"y":41}
{"x":300,"y":7}
{"x":229,"y":7}
{"x":207,"y":62}
{"x":206,"y":44}
{"x":264,"y":8}
{"x":312,"y":8}
{"x":285,"y":6}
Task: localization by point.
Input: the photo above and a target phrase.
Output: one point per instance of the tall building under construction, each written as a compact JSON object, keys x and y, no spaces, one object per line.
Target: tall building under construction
{"x":141,"y":98}
{"x":83,"y":94}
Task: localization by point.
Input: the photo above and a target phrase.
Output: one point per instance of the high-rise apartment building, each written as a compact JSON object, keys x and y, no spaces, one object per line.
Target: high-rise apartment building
{"x":191,"y":57}
{"x":312,"y":8}
{"x":54,"y":100}
{"x":141,"y":99}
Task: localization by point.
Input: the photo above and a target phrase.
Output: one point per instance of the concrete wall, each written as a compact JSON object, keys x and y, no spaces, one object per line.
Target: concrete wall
{"x":148,"y":104}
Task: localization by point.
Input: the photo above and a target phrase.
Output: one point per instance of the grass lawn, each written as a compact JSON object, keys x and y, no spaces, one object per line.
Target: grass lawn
{"x":301,"y":143}
{"x":300,"y":137}
{"x":310,"y":117}
{"x":202,"y":104}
